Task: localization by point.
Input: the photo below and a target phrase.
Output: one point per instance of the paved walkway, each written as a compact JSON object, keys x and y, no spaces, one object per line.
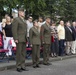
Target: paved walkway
{"x":11,"y":64}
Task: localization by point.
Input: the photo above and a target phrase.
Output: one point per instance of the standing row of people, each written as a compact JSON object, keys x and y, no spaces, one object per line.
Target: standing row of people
{"x":70,"y":38}
{"x":19,"y":30}
{"x":40,"y":35}
{"x":60,"y":36}
{"x":63,"y":39}
{"x":55,"y":40}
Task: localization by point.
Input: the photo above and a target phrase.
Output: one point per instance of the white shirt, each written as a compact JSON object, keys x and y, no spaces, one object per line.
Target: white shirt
{"x":61,"y":32}
{"x":41,"y":23}
{"x":1,"y":26}
{"x":29,"y":25}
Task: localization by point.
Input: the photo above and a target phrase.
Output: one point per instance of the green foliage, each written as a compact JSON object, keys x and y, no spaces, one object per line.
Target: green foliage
{"x":66,"y":9}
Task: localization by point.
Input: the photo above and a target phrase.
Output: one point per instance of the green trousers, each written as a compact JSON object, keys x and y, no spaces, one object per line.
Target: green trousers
{"x":35,"y":54}
{"x":20,"y":55}
{"x":46,"y":52}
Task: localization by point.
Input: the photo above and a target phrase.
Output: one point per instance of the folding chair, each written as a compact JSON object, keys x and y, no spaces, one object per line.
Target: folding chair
{"x":28,"y":52}
{"x":3,"y":56}
{"x":3,"y":51}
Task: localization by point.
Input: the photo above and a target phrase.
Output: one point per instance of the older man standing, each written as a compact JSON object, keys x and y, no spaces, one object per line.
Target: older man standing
{"x":19,"y":30}
{"x":74,"y":36}
{"x":61,"y":36}
{"x":69,"y":38}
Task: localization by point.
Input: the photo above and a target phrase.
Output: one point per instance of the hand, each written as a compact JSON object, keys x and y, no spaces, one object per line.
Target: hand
{"x":43,"y":42}
{"x":16,"y":41}
{"x":30,"y":45}
{"x":4,"y":37}
{"x":26,"y":45}
{"x":58,"y":38}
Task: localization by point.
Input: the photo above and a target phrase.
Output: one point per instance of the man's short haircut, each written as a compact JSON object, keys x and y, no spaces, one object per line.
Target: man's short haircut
{"x":21,"y":9}
{"x":48,"y":17}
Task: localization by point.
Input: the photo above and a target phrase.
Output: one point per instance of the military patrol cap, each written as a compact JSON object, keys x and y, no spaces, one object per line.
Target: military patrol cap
{"x":21,"y":9}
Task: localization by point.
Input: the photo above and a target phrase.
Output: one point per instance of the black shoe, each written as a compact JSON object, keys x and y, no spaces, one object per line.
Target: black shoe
{"x":24,"y":69}
{"x":37,"y":66}
{"x":19,"y":70}
{"x":34,"y":66}
{"x":44,"y":63}
{"x":49,"y":63}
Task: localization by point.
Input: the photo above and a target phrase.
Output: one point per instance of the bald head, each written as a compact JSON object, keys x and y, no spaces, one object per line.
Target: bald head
{"x":74,"y":23}
{"x":62,"y":22}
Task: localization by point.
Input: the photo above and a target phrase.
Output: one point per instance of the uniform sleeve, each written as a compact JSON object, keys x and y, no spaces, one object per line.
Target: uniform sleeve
{"x":26,"y":33}
{"x":42,"y":34}
{"x":30,"y":35}
{"x":14,"y":29}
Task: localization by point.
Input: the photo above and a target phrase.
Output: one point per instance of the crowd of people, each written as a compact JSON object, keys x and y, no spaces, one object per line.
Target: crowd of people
{"x":55,"y":39}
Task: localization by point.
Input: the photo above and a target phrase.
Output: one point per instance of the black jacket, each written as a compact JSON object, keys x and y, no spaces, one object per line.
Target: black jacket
{"x":74,"y":32}
{"x":69,"y":36}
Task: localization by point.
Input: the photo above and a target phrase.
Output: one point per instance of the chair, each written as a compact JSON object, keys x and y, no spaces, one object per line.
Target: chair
{"x":3,"y":56}
{"x":28,"y":52}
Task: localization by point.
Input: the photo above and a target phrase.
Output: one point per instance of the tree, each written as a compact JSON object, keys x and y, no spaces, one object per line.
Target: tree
{"x":35,"y":7}
{"x":64,"y":8}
